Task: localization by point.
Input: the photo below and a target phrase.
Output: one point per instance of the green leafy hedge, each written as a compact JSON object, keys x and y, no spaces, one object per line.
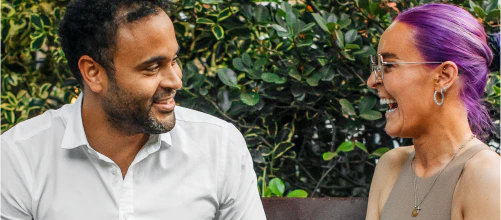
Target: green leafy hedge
{"x":290,"y":76}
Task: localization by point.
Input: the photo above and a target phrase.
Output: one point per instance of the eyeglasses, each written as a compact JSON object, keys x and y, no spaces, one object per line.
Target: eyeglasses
{"x":378,"y":69}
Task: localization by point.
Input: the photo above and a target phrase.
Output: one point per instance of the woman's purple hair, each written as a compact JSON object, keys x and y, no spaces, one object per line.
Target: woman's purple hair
{"x":449,"y":33}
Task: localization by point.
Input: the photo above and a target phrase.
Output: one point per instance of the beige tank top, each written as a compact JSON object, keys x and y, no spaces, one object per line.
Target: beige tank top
{"x":438,"y":203}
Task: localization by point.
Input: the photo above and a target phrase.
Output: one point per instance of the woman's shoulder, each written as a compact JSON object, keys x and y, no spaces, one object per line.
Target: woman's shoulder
{"x":396,"y":157}
{"x":482,"y":165}
{"x":387,"y":170}
{"x":479,"y":185}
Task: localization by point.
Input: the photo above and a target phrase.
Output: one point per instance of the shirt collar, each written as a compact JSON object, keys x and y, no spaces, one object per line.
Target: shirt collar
{"x":74,"y":134}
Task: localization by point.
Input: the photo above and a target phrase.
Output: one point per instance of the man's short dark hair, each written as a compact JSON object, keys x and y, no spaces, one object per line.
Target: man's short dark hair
{"x":89,"y":27}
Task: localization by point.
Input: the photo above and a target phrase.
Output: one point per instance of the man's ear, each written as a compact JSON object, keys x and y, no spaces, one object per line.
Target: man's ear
{"x":446,"y":75}
{"x":93,"y":74}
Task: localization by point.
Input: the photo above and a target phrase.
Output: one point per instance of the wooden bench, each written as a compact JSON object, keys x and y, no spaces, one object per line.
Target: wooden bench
{"x":336,"y":208}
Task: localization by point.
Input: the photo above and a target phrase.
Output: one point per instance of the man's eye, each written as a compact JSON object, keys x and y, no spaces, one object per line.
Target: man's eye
{"x":175,"y":61}
{"x":154,"y":68}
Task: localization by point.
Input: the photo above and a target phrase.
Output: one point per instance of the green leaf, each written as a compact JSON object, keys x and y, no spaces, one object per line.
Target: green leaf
{"x":36,"y":21}
{"x":260,"y":62}
{"x":340,"y":37}
{"x":361,"y":146}
{"x":321,"y":22}
{"x":307,"y":27}
{"x":363,"y":3}
{"x":352,"y":46}
{"x":37,"y":41}
{"x":7,"y":106}
{"x":380,"y":151}
{"x":279,"y":28}
{"x":239,"y":65}
{"x":314,"y":78}
{"x":290,"y":19}
{"x":211,"y":2}
{"x":479,"y":11}
{"x":10,"y":116}
{"x":295,"y":74}
{"x":329,"y":155}
{"x":5,"y":126}
{"x":249,"y":98}
{"x":298,"y":193}
{"x":496,"y":89}
{"x":367,"y":103}
{"x":228,"y":77}
{"x":347,"y":107}
{"x":226,"y":13}
{"x":277,"y":186}
{"x":267,"y":192}
{"x":346,"y":146}
{"x":286,"y":7}
{"x":371,"y":115}
{"x":205,"y":21}
{"x":10,"y":98}
{"x":332,"y":26}
{"x":332,"y":18}
{"x":45,"y":20}
{"x":493,"y":15}
{"x":350,"y":36}
{"x":472,"y":4}
{"x":8,"y":11}
{"x":272,"y":78}
{"x":261,"y":14}
{"x":44,"y":90}
{"x":344,"y":21}
{"x":218,"y":31}
{"x":247,"y":59}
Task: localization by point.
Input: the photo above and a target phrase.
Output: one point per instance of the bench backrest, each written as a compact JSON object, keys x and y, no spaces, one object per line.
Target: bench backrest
{"x":337,"y":208}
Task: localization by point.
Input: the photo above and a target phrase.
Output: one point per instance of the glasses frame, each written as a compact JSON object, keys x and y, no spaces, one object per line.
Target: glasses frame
{"x":375,"y":67}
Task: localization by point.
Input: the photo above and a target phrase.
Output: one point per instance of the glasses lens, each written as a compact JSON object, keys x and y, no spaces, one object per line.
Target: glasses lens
{"x":380,"y":67}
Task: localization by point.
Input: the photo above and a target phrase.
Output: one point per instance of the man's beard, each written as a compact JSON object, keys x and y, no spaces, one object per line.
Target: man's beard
{"x":132,"y":113}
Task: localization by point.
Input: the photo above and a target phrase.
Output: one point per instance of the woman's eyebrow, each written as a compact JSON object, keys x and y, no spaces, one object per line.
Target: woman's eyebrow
{"x":389,"y":55}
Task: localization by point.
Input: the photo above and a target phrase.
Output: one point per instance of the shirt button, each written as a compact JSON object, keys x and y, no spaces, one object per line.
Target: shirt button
{"x":114,"y":171}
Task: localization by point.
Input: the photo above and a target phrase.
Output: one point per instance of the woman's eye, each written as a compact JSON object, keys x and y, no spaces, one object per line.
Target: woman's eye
{"x":175,"y":61}
{"x":387,"y":67}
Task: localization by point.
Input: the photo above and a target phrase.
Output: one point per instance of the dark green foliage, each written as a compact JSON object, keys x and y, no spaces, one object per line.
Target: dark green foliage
{"x":291,"y":77}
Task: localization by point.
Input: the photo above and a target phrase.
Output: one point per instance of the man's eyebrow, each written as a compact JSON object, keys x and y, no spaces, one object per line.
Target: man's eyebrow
{"x":150,"y":61}
{"x":156,"y":59}
{"x":388,"y":55}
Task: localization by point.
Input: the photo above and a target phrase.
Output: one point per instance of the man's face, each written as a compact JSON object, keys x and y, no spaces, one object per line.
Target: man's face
{"x":140,"y":96}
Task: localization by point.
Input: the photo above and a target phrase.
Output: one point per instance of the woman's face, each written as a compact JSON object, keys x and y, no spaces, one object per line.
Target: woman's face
{"x":410,"y":86}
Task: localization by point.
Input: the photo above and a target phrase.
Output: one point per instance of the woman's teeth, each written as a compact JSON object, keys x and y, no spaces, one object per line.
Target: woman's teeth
{"x":386,"y":101}
{"x":392,"y":104}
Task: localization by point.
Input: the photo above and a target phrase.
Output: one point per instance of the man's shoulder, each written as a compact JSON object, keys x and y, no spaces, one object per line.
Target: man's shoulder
{"x":34,"y":127}
{"x":196,"y":117}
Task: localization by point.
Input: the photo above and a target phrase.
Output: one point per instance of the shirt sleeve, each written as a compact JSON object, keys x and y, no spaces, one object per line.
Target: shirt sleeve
{"x":238,"y":192}
{"x":16,"y":195}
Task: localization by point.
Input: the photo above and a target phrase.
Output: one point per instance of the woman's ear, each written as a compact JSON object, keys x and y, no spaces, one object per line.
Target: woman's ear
{"x":446,"y":75}
{"x":93,"y":74}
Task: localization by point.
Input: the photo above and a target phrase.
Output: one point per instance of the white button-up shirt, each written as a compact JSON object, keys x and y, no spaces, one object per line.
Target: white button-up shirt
{"x":199,"y":170}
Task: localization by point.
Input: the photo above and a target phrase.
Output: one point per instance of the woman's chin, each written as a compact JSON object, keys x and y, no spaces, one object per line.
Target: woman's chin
{"x":392,"y":131}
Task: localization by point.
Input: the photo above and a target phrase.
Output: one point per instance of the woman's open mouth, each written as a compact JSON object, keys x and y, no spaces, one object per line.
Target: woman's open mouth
{"x":392,"y":104}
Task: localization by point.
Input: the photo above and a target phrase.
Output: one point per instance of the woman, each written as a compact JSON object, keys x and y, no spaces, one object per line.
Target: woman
{"x":431,"y":70}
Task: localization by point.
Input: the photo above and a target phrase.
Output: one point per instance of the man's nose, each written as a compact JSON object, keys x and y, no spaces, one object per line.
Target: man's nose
{"x":172,"y":79}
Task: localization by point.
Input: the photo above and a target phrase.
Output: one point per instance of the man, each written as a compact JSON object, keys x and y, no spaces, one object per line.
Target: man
{"x":124,"y":150}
